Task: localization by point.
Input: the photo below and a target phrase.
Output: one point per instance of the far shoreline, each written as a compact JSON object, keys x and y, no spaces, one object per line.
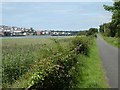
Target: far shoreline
{"x":40,"y":36}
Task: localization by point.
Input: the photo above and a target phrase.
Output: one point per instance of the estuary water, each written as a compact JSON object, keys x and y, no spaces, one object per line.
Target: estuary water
{"x":42,"y":36}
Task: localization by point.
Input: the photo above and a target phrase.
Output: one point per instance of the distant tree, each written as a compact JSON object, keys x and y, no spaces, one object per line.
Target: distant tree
{"x":101,"y":29}
{"x":82,"y":32}
{"x":92,"y":31}
{"x":114,"y":24}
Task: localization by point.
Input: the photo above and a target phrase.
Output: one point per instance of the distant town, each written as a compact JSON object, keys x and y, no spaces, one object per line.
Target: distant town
{"x":20,"y":31}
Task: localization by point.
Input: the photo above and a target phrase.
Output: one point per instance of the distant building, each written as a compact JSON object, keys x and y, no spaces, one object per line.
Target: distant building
{"x":61,"y":33}
{"x":38,"y":32}
{"x":15,"y":31}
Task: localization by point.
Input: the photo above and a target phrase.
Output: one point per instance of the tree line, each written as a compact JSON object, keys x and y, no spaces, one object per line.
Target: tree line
{"x":112,"y":28}
{"x":91,"y":31}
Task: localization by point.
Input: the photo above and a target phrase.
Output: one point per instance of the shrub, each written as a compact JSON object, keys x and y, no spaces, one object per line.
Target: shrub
{"x":50,"y":66}
{"x":58,"y":70}
{"x":81,"y":44}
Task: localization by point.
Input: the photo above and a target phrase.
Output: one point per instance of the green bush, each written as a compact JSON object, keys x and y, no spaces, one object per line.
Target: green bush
{"x":58,"y":71}
{"x":52,"y":66}
{"x":17,"y":60}
{"x":81,"y":44}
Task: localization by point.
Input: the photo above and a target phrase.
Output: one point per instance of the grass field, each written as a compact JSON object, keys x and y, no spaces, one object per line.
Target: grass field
{"x":18,"y":55}
{"x":21,"y":56}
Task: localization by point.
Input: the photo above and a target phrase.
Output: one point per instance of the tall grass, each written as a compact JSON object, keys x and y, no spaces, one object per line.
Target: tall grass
{"x":113,"y":41}
{"x":90,"y":72}
{"x":18,"y":56}
{"x":51,"y":63}
{"x":59,"y":71}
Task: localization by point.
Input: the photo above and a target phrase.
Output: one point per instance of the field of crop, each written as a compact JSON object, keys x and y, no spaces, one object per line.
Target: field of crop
{"x":50,"y":63}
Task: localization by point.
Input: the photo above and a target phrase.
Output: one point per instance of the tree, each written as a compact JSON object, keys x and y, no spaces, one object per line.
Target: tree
{"x":82,"y":32}
{"x":92,"y":31}
{"x":114,"y":24}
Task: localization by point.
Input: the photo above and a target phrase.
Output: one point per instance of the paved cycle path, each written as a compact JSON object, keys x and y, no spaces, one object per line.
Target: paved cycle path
{"x":109,"y":57}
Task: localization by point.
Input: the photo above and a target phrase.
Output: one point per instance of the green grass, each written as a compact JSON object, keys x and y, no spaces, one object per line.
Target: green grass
{"x":91,"y":74}
{"x":19,"y":55}
{"x":22,"y":55}
{"x":112,"y":40}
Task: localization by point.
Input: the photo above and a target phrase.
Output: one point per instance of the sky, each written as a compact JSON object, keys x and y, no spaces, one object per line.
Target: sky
{"x":58,"y":0}
{"x":55,"y":15}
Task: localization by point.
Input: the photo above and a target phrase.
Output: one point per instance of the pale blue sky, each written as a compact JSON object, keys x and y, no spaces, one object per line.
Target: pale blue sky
{"x":55,"y":15}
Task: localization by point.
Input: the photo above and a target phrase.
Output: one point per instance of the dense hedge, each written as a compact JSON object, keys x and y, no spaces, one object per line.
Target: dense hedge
{"x":56,"y":71}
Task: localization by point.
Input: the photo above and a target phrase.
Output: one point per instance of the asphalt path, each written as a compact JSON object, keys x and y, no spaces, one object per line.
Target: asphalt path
{"x":109,"y":57}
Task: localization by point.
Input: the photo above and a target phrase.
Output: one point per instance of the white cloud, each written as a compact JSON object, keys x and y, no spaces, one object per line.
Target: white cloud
{"x":57,"y":0}
{"x":105,"y":17}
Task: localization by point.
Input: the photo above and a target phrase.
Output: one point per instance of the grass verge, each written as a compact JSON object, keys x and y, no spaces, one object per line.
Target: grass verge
{"x":91,"y":74}
{"x":112,"y":40}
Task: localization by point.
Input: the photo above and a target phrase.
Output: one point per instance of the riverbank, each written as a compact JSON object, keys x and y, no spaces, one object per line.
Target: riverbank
{"x":41,"y":36}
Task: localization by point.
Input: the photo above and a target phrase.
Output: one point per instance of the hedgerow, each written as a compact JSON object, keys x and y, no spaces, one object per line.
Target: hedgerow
{"x":57,"y":71}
